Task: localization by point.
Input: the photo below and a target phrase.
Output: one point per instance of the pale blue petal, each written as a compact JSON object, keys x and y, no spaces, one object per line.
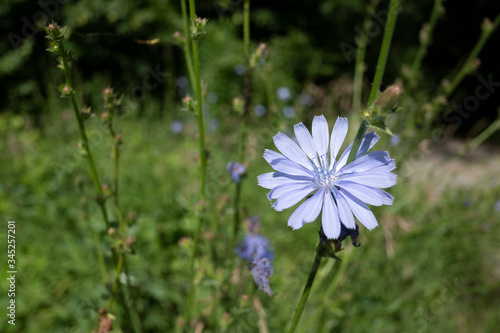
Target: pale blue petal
{"x":283,"y":189}
{"x":368,"y":162}
{"x":345,"y":213}
{"x":272,"y":179}
{"x":307,"y":212}
{"x":339,"y":133}
{"x":271,"y":155}
{"x":306,"y":142}
{"x":372,"y":179}
{"x":291,"y":150}
{"x":370,"y":195}
{"x":330,"y":217}
{"x":287,"y":166}
{"x":368,"y":141}
{"x":360,"y":210}
{"x":320,"y":137}
{"x":291,"y":198}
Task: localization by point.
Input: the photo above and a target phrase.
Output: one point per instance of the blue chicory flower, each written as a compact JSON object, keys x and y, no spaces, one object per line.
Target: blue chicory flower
{"x":254,"y":247}
{"x":313,"y":168}
{"x":236,"y":170}
{"x":262,"y":271}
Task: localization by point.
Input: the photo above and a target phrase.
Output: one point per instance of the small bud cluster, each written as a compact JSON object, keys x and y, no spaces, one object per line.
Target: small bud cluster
{"x":198,"y":27}
{"x":259,"y":55}
{"x":189,"y":104}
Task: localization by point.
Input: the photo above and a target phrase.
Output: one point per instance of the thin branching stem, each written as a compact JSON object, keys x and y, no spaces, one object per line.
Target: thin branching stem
{"x":203,"y":162}
{"x":465,"y":69}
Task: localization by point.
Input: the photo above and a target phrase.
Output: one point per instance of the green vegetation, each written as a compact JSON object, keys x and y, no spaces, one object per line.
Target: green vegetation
{"x":431,"y":265}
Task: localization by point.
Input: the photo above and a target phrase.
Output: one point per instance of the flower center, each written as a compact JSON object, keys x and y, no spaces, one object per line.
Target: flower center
{"x":324,"y":179}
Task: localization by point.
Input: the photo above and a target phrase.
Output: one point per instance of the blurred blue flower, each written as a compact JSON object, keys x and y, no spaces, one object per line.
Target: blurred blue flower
{"x":236,"y":170}
{"x":307,"y":100}
{"x":284,"y":94}
{"x":312,"y":169}
{"x":395,"y":140}
{"x":213,"y":125}
{"x":240,"y":69}
{"x":259,"y":110}
{"x":497,"y":206}
{"x":289,"y":112}
{"x":262,"y":271}
{"x":176,"y":127}
{"x":254,"y":247}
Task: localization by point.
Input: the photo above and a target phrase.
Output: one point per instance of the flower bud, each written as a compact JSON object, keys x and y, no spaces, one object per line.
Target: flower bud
{"x":389,"y":99}
{"x":198,"y":27}
{"x":178,"y":38}
{"x":188,"y":103}
{"x":238,"y":105}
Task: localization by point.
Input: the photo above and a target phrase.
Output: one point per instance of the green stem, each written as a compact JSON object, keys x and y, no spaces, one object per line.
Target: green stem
{"x":135,"y":317}
{"x":137,"y":321}
{"x":117,"y":257}
{"x":186,"y":43}
{"x":118,"y":270}
{"x":307,"y":289}
{"x":203,"y":163}
{"x":100,"y":256}
{"x":246,"y":28}
{"x":116,"y":169}
{"x":483,"y":136}
{"x":237,"y":222}
{"x":384,"y":51}
{"x":473,"y":55}
{"x":83,"y":135}
{"x":359,"y":67}
{"x":357,"y":141}
{"x":425,"y":41}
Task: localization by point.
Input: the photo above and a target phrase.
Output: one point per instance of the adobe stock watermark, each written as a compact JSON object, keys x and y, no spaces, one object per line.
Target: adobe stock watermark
{"x":49,"y":9}
{"x":424,"y":316}
{"x":453,"y":118}
{"x":363,"y":38}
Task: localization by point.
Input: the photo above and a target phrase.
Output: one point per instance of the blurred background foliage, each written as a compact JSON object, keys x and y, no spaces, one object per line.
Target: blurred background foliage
{"x":431,"y":266}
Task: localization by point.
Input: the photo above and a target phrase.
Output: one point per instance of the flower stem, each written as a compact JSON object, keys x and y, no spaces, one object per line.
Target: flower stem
{"x":307,"y":288}
{"x":187,"y":41}
{"x":359,"y":67}
{"x":357,"y":141}
{"x":83,"y":135}
{"x":118,"y":257}
{"x":246,"y":28}
{"x":425,"y":41}
{"x":203,"y":162}
{"x":384,"y":51}
{"x":485,"y":35}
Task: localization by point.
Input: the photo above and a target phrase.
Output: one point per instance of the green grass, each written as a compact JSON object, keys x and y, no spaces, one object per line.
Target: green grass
{"x":432,"y":266}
